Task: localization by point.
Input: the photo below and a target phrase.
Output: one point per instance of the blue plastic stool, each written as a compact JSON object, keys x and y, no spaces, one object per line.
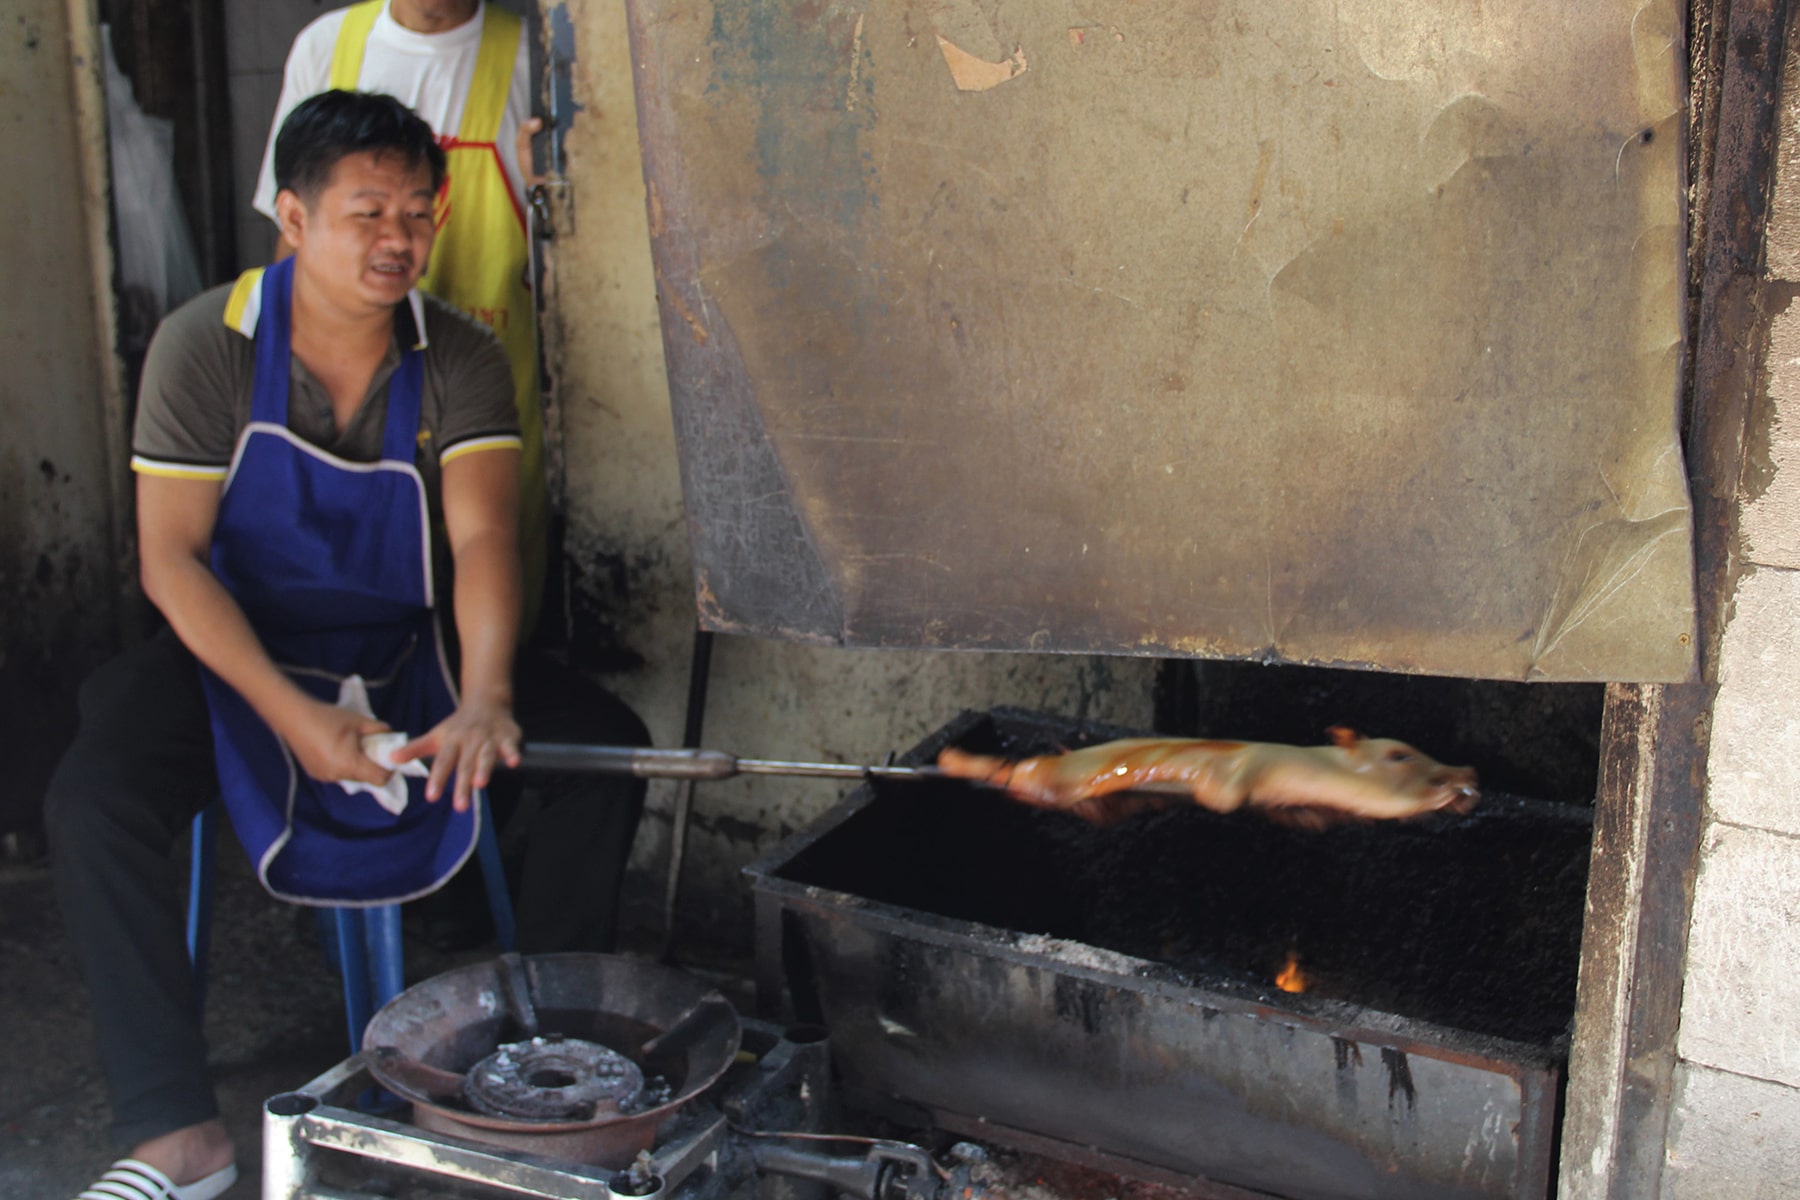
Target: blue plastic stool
{"x":369,"y":952}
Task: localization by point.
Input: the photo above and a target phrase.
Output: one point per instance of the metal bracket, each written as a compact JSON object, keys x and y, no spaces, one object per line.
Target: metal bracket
{"x":549,"y":201}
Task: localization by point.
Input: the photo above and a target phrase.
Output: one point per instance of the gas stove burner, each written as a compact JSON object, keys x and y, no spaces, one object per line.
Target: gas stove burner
{"x":753,"y":1132}
{"x":553,"y":1078}
{"x":577,"y":1056}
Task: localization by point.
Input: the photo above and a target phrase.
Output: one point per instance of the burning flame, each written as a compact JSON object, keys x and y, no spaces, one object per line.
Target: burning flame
{"x":1291,"y":979}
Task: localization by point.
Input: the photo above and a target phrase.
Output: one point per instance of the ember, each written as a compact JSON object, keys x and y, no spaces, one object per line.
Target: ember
{"x":1291,"y":978}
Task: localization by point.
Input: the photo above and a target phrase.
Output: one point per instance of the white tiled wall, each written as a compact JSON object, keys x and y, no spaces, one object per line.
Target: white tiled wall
{"x":1754,"y":773}
{"x":1731,"y":1138}
{"x":257,"y":36}
{"x":1743,"y":975}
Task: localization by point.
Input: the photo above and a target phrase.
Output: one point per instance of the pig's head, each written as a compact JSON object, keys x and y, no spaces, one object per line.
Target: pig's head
{"x":1406,"y":771}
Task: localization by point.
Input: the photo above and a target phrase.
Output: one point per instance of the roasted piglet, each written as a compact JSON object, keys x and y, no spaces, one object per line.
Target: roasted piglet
{"x":1354,"y":778}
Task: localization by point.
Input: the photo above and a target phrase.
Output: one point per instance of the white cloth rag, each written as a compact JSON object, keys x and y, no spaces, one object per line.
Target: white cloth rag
{"x":353,"y":694}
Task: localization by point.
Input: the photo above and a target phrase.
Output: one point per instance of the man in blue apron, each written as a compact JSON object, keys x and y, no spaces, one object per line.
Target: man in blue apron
{"x":317,"y":447}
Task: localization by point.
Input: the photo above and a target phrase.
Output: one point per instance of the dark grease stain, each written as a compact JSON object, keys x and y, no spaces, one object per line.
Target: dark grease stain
{"x":1079,"y":1002}
{"x":601,"y":601}
{"x":1751,"y":49}
{"x":47,"y":469}
{"x":1759,"y":445}
{"x":1400,"y":1081}
{"x":732,"y":829}
{"x":897,"y":993}
{"x":1349,"y":1061}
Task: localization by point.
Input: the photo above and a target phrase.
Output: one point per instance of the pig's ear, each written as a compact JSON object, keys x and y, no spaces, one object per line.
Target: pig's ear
{"x":1343,"y":738}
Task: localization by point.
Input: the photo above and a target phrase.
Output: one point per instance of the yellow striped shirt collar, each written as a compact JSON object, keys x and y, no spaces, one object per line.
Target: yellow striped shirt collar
{"x":244,"y":306}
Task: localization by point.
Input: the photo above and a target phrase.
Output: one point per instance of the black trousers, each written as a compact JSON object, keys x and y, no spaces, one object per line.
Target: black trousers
{"x":141,"y":768}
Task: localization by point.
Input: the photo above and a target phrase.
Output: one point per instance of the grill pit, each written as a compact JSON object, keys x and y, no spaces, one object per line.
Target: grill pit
{"x":1109,"y":994}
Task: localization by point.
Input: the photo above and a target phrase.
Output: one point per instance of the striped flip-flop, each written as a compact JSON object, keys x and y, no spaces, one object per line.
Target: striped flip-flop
{"x":130,"y":1179}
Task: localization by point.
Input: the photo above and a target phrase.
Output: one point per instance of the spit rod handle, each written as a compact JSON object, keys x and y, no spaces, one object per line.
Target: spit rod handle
{"x":644,"y":762}
{"x":651,"y":763}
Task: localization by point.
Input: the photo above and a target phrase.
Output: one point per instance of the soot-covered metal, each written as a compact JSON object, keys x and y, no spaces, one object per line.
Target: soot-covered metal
{"x":1341,"y":332}
{"x":1114,"y":987}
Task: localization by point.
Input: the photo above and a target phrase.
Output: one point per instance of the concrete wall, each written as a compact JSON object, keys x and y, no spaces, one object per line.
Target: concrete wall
{"x":60,"y":470}
{"x":257,"y":36}
{"x":1735,"y":1131}
{"x":629,"y":548}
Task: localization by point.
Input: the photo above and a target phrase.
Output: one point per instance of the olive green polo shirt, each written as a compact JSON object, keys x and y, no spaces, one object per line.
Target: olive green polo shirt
{"x":194,"y":399}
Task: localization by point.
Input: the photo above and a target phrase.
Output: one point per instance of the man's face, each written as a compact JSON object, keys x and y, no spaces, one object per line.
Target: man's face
{"x":366,"y":237}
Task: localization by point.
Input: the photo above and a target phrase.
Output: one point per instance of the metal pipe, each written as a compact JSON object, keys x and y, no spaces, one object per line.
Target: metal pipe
{"x":287,"y":1157}
{"x":203,"y":835}
{"x":771,"y":766}
{"x":695,"y":764}
{"x":381,"y":929}
{"x":517,"y":1172}
{"x":353,"y":962}
{"x":859,"y":1177}
{"x":699,"y":675}
{"x":493,"y":878}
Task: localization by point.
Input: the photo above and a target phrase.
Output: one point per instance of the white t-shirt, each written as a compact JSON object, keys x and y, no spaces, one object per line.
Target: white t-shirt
{"x":428,"y":72}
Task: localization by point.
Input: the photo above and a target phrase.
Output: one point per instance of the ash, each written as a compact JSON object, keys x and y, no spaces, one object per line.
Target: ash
{"x":657,"y":1091}
{"x":1078,"y":954}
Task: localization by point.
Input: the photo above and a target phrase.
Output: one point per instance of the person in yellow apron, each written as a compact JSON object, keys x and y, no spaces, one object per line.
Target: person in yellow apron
{"x":419,"y":51}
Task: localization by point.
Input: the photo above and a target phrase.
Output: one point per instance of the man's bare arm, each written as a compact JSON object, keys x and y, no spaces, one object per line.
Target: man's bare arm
{"x":175,"y":524}
{"x":481,"y":518}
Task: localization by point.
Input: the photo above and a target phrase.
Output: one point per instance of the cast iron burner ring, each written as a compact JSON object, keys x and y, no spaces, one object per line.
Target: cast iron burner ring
{"x":553,"y":1078}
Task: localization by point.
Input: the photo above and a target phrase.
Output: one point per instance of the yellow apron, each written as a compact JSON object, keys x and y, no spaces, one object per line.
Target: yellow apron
{"x":482,"y":257}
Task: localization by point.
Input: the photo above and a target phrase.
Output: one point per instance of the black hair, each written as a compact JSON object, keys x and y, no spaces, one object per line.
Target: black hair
{"x":333,"y":125}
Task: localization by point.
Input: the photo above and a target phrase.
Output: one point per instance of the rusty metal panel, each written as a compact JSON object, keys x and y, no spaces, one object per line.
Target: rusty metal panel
{"x":1325,"y":332}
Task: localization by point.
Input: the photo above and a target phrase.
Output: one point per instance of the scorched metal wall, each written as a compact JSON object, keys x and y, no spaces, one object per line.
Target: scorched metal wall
{"x":1324,"y":332}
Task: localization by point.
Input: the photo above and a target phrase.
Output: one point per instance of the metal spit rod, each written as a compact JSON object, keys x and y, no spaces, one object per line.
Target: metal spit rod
{"x":695,"y":764}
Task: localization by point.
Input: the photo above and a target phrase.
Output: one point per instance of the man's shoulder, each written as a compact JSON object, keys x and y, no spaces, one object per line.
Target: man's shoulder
{"x":468,"y":378}
{"x":453,"y":335}
{"x":198,"y":326}
{"x":195,"y":374}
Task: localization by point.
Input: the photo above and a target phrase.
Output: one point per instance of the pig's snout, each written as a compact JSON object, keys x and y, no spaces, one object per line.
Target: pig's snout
{"x":1454,"y":788}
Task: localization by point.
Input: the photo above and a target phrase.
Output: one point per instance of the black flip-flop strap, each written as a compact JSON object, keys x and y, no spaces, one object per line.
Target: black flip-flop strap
{"x":126,"y":1182}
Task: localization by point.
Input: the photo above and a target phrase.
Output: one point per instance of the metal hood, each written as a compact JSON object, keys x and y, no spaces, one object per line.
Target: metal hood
{"x":1344,"y":333}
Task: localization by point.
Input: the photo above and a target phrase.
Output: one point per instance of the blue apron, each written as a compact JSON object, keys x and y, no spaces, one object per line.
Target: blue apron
{"x":331,"y":562}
